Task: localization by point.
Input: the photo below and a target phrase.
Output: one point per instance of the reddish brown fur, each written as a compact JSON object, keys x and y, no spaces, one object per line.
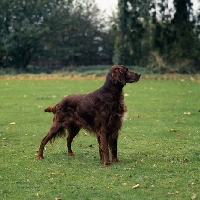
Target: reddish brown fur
{"x":100,"y":112}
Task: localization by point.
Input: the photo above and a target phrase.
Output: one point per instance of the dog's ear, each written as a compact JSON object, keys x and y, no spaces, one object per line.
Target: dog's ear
{"x":118,"y":76}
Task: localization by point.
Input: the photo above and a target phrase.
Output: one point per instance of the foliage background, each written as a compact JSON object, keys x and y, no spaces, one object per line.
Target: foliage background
{"x":52,"y":34}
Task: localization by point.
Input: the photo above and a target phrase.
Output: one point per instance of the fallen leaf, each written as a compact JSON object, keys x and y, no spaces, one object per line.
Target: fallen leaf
{"x":177,"y":119}
{"x":187,"y":113}
{"x":191,"y":184}
{"x":124,"y":184}
{"x":137,"y":116}
{"x":172,"y":130}
{"x":136,"y":186}
{"x":194,"y":196}
{"x":178,"y":135}
{"x":12,"y":123}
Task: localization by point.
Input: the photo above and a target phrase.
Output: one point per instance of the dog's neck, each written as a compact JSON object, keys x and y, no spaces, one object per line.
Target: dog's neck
{"x":110,"y":85}
{"x":112,"y":91}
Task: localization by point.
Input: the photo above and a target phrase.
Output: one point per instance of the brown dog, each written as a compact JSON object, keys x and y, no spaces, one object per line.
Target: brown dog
{"x":100,"y":112}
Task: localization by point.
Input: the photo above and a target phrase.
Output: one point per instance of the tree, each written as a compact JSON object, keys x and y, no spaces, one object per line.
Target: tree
{"x":175,"y":39}
{"x":151,"y":32}
{"x":131,"y":23}
{"x":161,"y":35}
{"x":183,"y":26}
{"x":83,"y":37}
{"x":23,"y":24}
{"x":53,"y":33}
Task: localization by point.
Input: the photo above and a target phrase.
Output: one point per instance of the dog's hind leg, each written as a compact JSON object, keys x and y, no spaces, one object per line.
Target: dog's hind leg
{"x":55,"y":129}
{"x":72,"y":132}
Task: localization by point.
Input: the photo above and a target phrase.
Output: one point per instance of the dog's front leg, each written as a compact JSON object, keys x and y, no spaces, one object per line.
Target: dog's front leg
{"x":100,"y":150}
{"x":113,"y":148}
{"x":104,"y":148}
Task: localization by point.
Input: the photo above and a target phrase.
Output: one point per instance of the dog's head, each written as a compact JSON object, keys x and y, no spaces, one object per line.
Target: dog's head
{"x":122,"y":75}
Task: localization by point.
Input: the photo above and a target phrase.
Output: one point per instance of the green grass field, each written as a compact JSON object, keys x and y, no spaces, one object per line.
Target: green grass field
{"x":159,"y":144}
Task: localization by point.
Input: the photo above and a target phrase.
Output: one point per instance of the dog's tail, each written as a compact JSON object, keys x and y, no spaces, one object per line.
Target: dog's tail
{"x":50,"y":109}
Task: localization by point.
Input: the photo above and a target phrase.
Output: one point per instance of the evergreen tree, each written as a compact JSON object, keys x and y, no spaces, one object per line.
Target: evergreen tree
{"x":23,"y":25}
{"x":131,"y":31}
{"x":183,"y":26}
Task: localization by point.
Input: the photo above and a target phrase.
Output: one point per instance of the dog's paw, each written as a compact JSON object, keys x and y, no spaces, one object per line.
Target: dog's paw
{"x":40,"y":157}
{"x":115,"y":160}
{"x":71,"y":154}
{"x":107,"y":164}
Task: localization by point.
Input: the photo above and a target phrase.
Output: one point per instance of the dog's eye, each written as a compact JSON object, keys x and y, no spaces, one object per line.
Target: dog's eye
{"x":124,"y":71}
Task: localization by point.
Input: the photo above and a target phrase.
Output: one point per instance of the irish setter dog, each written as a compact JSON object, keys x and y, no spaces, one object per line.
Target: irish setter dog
{"x":100,"y":112}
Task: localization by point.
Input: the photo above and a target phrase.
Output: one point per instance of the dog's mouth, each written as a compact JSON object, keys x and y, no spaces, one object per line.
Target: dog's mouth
{"x":135,"y":79}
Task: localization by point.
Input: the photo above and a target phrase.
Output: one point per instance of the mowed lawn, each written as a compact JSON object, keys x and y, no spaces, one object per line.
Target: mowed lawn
{"x":159,"y":144}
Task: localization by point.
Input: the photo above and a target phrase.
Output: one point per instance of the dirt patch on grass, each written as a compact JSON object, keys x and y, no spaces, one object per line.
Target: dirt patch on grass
{"x":181,"y":77}
{"x":49,"y":77}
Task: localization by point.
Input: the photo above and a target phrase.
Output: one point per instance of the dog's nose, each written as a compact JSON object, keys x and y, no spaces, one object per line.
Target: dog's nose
{"x":139,"y":75}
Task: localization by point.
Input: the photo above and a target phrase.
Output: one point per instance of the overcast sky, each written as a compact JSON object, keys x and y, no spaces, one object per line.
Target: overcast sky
{"x":110,"y":5}
{"x":107,"y":5}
